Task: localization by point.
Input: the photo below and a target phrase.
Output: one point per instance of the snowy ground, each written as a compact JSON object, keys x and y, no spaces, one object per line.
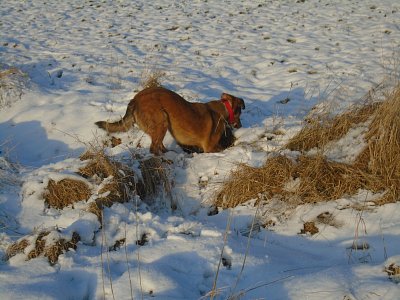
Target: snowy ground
{"x":84,"y":61}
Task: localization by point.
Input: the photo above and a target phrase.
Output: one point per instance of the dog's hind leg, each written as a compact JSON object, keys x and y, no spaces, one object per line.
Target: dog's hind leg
{"x":157,"y":134}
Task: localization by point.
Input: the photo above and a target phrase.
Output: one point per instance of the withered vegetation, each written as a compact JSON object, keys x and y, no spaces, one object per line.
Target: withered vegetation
{"x":118,"y":182}
{"x":320,"y":130}
{"x":151,"y":78}
{"x":66,"y":192}
{"x":314,"y":178}
{"x":50,"y":249}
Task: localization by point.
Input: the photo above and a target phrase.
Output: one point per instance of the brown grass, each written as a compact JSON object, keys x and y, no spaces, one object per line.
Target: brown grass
{"x":319,"y":131}
{"x":247,"y":182}
{"x":156,"y":180}
{"x":118,"y":180}
{"x":66,"y":192}
{"x":12,"y":84}
{"x":318,"y":180}
{"x":122,"y":181}
{"x":323,"y":180}
{"x":381,"y":158}
{"x":17,"y":247}
{"x":376,"y":169}
{"x":52,"y":252}
{"x":151,"y":78}
{"x":39,"y":245}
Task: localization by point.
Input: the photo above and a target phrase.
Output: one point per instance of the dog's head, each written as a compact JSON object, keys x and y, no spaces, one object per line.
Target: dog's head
{"x":237,"y":105}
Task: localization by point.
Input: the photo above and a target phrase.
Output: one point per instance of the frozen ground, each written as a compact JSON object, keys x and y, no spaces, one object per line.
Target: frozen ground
{"x":84,"y":60}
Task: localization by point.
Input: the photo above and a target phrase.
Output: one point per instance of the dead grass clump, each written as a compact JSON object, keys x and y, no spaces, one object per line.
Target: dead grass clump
{"x":12,"y":83}
{"x":319,"y":131}
{"x":381,"y":158}
{"x":310,"y":179}
{"x":52,"y":250}
{"x":59,"y":247}
{"x":39,"y":245}
{"x":16,"y":248}
{"x":151,"y":78}
{"x":65,"y":192}
{"x":96,"y":209}
{"x":99,"y":165}
{"x":323,"y":180}
{"x":393,"y":271}
{"x":317,"y":180}
{"x":117,"y":181}
{"x":155,"y":180}
{"x":249,"y":182}
{"x":309,"y":228}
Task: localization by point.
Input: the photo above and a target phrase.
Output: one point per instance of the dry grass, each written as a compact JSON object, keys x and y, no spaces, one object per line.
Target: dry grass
{"x":314,"y":179}
{"x":311,"y":179}
{"x":122,"y":179}
{"x":16,"y":248}
{"x":393,"y":271}
{"x":151,"y":78}
{"x":50,"y":250}
{"x":66,"y":192}
{"x":323,"y":180}
{"x":321,"y":130}
{"x":115,"y":183}
{"x":12,"y":83}
{"x":118,"y":181}
{"x":59,"y":247}
{"x":247,"y":182}
{"x":156,"y":180}
{"x":381,"y":158}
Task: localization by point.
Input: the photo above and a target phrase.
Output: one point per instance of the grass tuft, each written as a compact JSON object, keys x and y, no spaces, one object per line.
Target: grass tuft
{"x":66,"y":192}
{"x":118,"y":182}
{"x":12,"y":84}
{"x":44,"y":246}
{"x":151,"y":78}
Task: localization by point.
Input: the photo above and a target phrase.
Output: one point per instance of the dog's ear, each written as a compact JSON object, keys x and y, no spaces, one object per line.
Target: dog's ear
{"x":225,"y":96}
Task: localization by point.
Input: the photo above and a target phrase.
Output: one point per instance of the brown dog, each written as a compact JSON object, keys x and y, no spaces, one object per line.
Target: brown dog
{"x":201,"y":126}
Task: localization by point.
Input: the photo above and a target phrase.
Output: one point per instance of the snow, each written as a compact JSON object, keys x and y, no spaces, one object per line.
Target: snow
{"x":84,"y":60}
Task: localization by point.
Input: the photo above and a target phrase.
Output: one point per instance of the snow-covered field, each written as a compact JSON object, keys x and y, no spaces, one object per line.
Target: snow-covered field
{"x":84,"y":60}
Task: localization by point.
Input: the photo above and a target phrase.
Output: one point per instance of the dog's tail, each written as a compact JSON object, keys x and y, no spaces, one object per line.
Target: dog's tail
{"x":122,"y":125}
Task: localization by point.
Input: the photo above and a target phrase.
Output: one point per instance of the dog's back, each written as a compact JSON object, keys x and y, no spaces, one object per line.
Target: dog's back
{"x":194,"y":125}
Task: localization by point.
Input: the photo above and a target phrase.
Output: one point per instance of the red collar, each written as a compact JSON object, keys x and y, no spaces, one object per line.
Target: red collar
{"x":228,"y":106}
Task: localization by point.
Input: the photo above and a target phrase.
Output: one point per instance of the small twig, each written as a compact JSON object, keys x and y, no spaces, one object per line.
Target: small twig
{"x":138,"y":248}
{"x":127,"y":263}
{"x":101,"y":255}
{"x":228,"y":225}
{"x":383,"y":241}
{"x":247,"y":248}
{"x":267,"y":283}
{"x":108,"y":262}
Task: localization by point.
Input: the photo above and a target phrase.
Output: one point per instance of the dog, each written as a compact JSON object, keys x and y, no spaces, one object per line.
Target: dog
{"x":194,"y":126}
